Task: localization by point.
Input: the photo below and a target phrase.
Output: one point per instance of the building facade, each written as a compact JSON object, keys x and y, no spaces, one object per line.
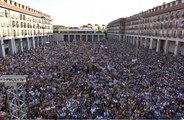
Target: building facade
{"x":160,"y":28}
{"x":69,"y":35}
{"x":22,"y":28}
{"x":116,"y":28}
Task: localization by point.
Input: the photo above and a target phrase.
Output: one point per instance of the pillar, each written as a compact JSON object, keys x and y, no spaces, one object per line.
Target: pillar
{"x":158,"y":45}
{"x":42,"y":40}
{"x":176,"y":50}
{"x":136,"y":39}
{"x":28,"y":43}
{"x":92,"y":38}
{"x":145,"y":44}
{"x":127,"y":39}
{"x":86,"y":37}
{"x":69,"y":38}
{"x":151,"y":43}
{"x":52,"y":37}
{"x":137,"y":42}
{"x":33,"y":42}
{"x":132,"y":40}
{"x":21,"y":45}
{"x":166,"y":47}
{"x":11,"y":45}
{"x":119,"y":37}
{"x":37,"y":42}
{"x":75,"y":38}
{"x":141,"y":41}
{"x":80,"y":37}
{"x":2,"y":50}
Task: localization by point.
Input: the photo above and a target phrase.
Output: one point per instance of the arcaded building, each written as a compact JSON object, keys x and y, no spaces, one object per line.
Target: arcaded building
{"x":160,"y":28}
{"x":22,"y":28}
{"x":77,"y":34}
{"x":116,"y":28}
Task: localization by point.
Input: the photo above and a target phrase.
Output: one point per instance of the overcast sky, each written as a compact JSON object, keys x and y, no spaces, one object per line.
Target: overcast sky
{"x":80,"y":12}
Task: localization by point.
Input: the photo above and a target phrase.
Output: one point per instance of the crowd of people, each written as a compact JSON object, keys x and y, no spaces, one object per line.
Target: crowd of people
{"x":98,"y":80}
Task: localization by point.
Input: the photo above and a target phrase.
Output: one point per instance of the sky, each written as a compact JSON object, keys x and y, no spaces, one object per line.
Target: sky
{"x":81,"y":12}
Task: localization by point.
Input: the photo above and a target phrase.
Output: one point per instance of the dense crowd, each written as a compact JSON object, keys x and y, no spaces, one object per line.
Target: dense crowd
{"x":98,"y":80}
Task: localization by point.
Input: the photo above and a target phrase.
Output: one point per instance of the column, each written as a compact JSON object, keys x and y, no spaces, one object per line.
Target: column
{"x":52,"y":37}
{"x":11,"y":45}
{"x":136,"y":39}
{"x":69,"y":38}
{"x":80,"y":37}
{"x":132,"y":40}
{"x":98,"y":37}
{"x":119,"y":37}
{"x":141,"y":41}
{"x":151,"y":43}
{"x":176,"y":50}
{"x":137,"y":42}
{"x":145,"y":45}
{"x":15,"y":47}
{"x":33,"y":42}
{"x":158,"y":45}
{"x":92,"y":38}
{"x":127,"y":39}
{"x":2,"y":50}
{"x":166,"y":47}
{"x":28,"y":43}
{"x":21,"y":45}
{"x":42,"y":40}
{"x":86,"y":37}
{"x":75,"y":38}
{"x":37,"y":41}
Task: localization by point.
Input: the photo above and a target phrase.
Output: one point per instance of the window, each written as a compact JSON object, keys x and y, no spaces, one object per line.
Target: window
{"x":22,"y":25}
{"x":170,"y":25}
{"x":24,"y":17}
{"x":176,"y":25}
{"x":20,"y":16}
{"x":161,"y":26}
{"x":25,"y":32}
{"x":165,"y":26}
{"x":17,"y":24}
{"x":166,"y":17}
{"x":13,"y":23}
{"x":158,"y":19}
{"x":178,"y":15}
{"x":22,"y":32}
{"x":183,"y":14}
{"x":182,"y":24}
{"x":6,"y":14}
{"x":172,"y":16}
{"x":14,"y":33}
